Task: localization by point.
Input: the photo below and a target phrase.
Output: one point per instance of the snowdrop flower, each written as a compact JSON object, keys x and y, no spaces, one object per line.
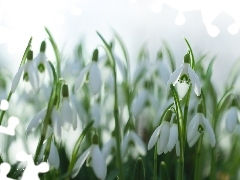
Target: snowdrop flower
{"x":185,"y":75}
{"x":166,"y":136}
{"x":108,"y":148}
{"x":95,"y":80}
{"x":197,"y":126}
{"x":41,"y":60}
{"x":161,"y":137}
{"x":139,"y":103}
{"x":67,"y":111}
{"x":232,"y":118}
{"x":38,"y":119}
{"x":97,"y":160}
{"x":53,"y":157}
{"x":134,"y":138}
{"x":30,"y":73}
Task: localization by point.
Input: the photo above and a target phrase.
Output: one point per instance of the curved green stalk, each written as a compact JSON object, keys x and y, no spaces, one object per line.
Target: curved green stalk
{"x":116,"y":113}
{"x":77,"y":147}
{"x":219,"y":109}
{"x":197,"y":162}
{"x":22,"y":62}
{"x":180,"y":132}
{"x":56,"y":52}
{"x":46,"y":120}
{"x":155,"y":164}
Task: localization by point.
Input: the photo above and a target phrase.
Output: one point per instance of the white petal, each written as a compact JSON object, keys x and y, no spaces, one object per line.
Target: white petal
{"x":96,"y":115}
{"x":154,"y":137}
{"x":138,"y":103}
{"x":66,"y":114}
{"x":194,"y":139}
{"x":210,"y":131}
{"x":175,"y":76}
{"x":98,"y":163}
{"x":163,"y":138}
{"x":33,"y":76}
{"x":173,"y":137}
{"x":56,"y":120}
{"x":53,"y":156}
{"x":182,"y":89}
{"x":193,"y":128}
{"x":163,"y":71}
{"x":74,"y":117}
{"x":107,"y":148}
{"x":95,"y":79}
{"x":138,"y":143}
{"x":195,"y":81}
{"x":231,"y":119}
{"x":125,"y":143}
{"x":37,"y":119}
{"x":80,"y":162}
{"x":81,"y":78}
{"x":16,"y":79}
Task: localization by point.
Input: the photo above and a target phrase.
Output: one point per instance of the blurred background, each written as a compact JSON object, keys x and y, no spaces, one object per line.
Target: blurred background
{"x":210,"y":26}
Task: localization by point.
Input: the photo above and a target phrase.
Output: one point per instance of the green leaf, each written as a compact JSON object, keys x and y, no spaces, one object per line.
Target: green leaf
{"x":77,"y":146}
{"x":209,"y":70}
{"x":170,"y":57}
{"x":163,"y":171}
{"x":191,"y":53}
{"x":139,"y":171}
{"x":56,"y":52}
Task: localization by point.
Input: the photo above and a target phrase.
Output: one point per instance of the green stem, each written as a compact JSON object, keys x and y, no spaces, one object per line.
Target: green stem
{"x":155,"y":164}
{"x":115,"y":111}
{"x":56,"y":52}
{"x":186,"y":113}
{"x":46,"y":121}
{"x":77,"y":147}
{"x":47,"y":149}
{"x":180,"y":132}
{"x":197,"y":162}
{"x":218,"y":110}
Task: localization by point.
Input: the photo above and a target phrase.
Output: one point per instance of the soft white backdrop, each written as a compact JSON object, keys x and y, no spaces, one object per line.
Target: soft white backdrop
{"x":210,"y":26}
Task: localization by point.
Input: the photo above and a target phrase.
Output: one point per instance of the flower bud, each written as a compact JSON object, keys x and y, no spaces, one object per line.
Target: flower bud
{"x":187,"y":58}
{"x":95,"y":55}
{"x":65,"y":90}
{"x":43,"y":47}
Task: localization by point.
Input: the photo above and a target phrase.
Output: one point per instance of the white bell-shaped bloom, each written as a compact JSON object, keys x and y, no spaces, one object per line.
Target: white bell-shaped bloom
{"x":133,"y":137}
{"x":95,"y":79}
{"x":138,"y":103}
{"x":38,"y":119}
{"x":29,"y":72}
{"x":108,"y":148}
{"x":161,"y":137}
{"x":197,"y":126}
{"x":184,"y":75}
{"x":173,"y":137}
{"x":42,"y":65}
{"x":97,"y":162}
{"x":166,"y":137}
{"x":231,"y":119}
{"x":53,"y":157}
{"x":68,"y":111}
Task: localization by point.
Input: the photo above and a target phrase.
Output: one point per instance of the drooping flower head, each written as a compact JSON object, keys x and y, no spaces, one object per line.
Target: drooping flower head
{"x":98,"y":162}
{"x":184,"y":76}
{"x":166,"y":135}
{"x":29,"y":71}
{"x":197,"y":126}
{"x":95,"y":80}
{"x":232,"y":117}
